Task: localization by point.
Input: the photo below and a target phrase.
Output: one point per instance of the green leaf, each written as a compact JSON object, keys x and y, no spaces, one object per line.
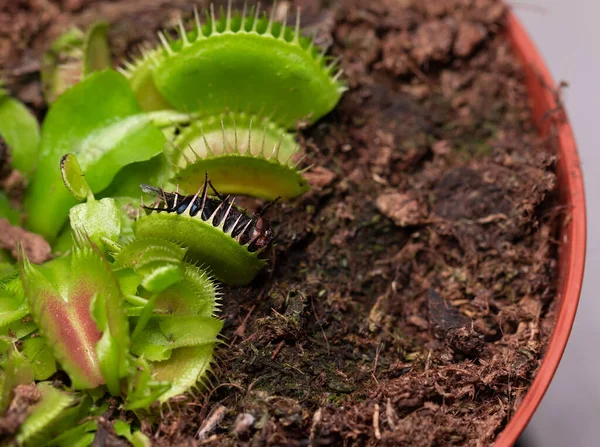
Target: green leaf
{"x":144,"y":317}
{"x":74,"y":178}
{"x":184,"y":369}
{"x":19,"y":329}
{"x":128,"y":210}
{"x":195,"y":294}
{"x":39,"y":354}
{"x":156,"y":171}
{"x":159,"y":262}
{"x":14,"y":322}
{"x":129,"y":281}
{"x":260,"y":67}
{"x":110,"y":359}
{"x":21,"y":132}
{"x":138,"y":439}
{"x":142,"y":390}
{"x":122,"y":428}
{"x":79,"y":436}
{"x":163,"y":335}
{"x":64,"y":319}
{"x":99,"y":121}
{"x":49,"y":408}
{"x":56,"y":419}
{"x":12,"y":308}
{"x":97,"y":218}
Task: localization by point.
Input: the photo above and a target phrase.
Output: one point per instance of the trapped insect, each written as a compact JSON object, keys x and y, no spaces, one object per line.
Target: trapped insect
{"x":253,"y":230}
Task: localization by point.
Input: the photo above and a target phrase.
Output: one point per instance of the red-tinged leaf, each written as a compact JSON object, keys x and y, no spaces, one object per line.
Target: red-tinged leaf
{"x":93,"y":275}
{"x":65,"y":320}
{"x":76,"y":302}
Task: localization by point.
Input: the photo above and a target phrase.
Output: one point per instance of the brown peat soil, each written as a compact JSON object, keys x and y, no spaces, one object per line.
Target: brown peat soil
{"x":409,"y":297}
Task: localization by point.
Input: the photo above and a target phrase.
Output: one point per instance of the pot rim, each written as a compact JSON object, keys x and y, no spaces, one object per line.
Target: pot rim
{"x":572,"y":242}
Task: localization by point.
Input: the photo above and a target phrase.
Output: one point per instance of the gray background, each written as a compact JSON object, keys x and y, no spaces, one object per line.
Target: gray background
{"x":567,"y":34}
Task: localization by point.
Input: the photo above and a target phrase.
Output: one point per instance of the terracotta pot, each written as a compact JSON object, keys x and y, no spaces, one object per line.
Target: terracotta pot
{"x":572,"y":247}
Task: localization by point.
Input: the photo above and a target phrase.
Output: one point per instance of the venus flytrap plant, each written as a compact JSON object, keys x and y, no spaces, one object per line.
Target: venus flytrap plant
{"x":242,"y":61}
{"x":53,"y":412}
{"x":127,"y":309}
{"x":17,"y":327}
{"x":83,"y":431}
{"x":158,"y":285}
{"x":256,"y":67}
{"x":36,"y":349}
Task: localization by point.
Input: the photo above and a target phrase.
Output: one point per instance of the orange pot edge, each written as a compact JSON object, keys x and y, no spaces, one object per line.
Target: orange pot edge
{"x":541,"y":88}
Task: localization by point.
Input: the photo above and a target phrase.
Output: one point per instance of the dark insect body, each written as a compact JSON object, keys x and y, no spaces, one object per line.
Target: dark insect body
{"x":253,"y":230}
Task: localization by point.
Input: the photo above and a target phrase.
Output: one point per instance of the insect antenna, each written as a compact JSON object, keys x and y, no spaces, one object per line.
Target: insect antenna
{"x":213,"y":188}
{"x":262,"y":211}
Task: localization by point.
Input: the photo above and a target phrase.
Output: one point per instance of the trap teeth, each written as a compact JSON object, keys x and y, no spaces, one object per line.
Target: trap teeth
{"x":290,"y":74}
{"x":242,"y":154}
